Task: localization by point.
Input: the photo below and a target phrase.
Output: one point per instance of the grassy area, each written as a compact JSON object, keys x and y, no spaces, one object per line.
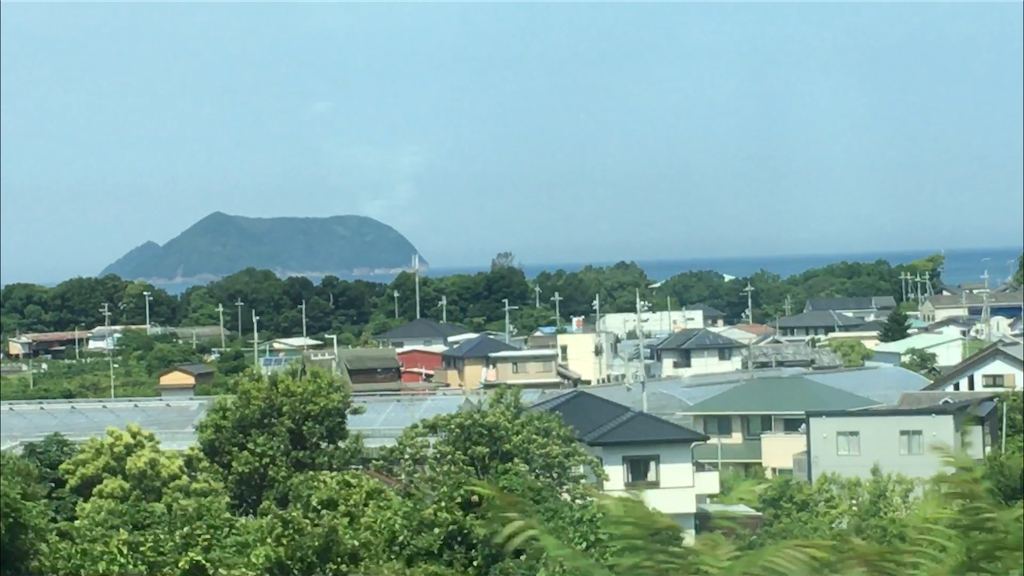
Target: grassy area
{"x":88,"y":379}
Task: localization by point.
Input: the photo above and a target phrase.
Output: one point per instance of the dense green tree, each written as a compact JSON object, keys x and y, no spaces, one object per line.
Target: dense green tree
{"x":896,"y":327}
{"x":275,"y":427}
{"x":853,"y":352}
{"x":23,"y":515}
{"x":48,"y":455}
{"x":1018,"y":276}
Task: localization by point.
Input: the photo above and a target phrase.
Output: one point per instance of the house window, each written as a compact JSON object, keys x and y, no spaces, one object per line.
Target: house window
{"x":970,"y":382}
{"x":792,"y":425}
{"x":725,"y":354}
{"x":395,"y":344}
{"x":641,"y":471}
{"x":848,"y":444}
{"x":515,"y":368}
{"x":428,"y":342}
{"x":993,"y":381}
{"x":563,"y":354}
{"x":757,"y":425}
{"x":911,"y":442}
{"x":718,"y":425}
{"x":684,"y":360}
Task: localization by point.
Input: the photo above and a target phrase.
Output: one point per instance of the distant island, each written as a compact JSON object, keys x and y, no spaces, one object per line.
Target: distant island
{"x":221,"y":244}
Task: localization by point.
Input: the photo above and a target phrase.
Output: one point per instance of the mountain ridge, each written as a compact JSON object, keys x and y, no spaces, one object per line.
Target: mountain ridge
{"x":221,"y":244}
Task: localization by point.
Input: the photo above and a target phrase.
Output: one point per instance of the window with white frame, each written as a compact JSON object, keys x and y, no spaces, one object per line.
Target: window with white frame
{"x":848,"y":443}
{"x":911,"y":442}
{"x":641,"y":471}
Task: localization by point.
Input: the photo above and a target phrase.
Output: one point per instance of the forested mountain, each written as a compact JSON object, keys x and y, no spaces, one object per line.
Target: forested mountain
{"x":221,"y":244}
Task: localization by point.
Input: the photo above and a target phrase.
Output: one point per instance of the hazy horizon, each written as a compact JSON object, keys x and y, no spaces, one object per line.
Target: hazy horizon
{"x":559,"y":132}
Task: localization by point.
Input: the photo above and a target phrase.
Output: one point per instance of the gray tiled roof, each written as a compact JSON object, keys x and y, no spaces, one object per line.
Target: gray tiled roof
{"x":851,"y":303}
{"x":709,"y":312}
{"x":819,"y":319}
{"x":478,"y":347}
{"x":696,"y":338}
{"x":422,"y":328}
{"x":971,"y":299}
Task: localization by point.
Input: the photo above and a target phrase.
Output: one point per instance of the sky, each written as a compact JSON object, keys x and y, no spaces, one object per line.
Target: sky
{"x":563,"y":132}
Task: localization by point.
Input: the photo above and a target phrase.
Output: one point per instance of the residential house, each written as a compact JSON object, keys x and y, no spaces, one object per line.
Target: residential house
{"x":465,"y":366}
{"x":947,"y":347}
{"x":370,"y":369}
{"x":180,"y":381}
{"x":698,"y":351}
{"x":967,"y":304}
{"x":47,"y":344}
{"x":536,"y":368}
{"x":420,"y":332}
{"x":624,"y":323}
{"x":868,"y":334}
{"x":897,"y":440}
{"x":864,"y":308}
{"x":712,"y":316}
{"x":640,"y":453}
{"x":996,"y":367}
{"x":587,"y":354}
{"x":543,"y":337}
{"x":753,"y":334}
{"x":817,"y":323}
{"x":104,"y":338}
{"x":760,"y":423}
{"x":792,"y":354}
{"x":419,"y":362}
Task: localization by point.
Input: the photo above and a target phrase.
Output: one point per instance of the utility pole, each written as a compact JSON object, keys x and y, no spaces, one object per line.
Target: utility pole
{"x":416,"y":266}
{"x":255,"y":341}
{"x":334,"y":365}
{"x":110,"y":346}
{"x":76,"y":342}
{"x":596,"y":304}
{"x":507,"y":325}
{"x":789,"y":306}
{"x":668,"y":309}
{"x":303,"y":308}
{"x":985,"y":317}
{"x":147,"y":295}
{"x":536,"y":296}
{"x":220,"y":314}
{"x":557,"y":299}
{"x":928,"y":283}
{"x":985,"y":277}
{"x":750,"y":303}
{"x":643,"y":359}
{"x":396,"y":304}
{"x":917,"y":283}
{"x":444,"y":309}
{"x":239,"y":304}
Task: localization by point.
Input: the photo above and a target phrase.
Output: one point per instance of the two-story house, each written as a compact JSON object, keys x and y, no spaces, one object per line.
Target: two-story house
{"x":760,"y":423}
{"x":817,"y":323}
{"x":587,"y":353}
{"x":640,"y":454}
{"x":524,"y":368}
{"x":897,"y":440}
{"x":465,"y":366}
{"x":865,"y":308}
{"x":420,"y":332}
{"x":997,"y":367}
{"x":966,"y":304}
{"x":697,"y":351}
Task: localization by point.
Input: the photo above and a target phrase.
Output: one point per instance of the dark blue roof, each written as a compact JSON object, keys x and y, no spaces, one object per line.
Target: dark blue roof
{"x":479,"y":347}
{"x":601,"y":422}
{"x":694,"y":338}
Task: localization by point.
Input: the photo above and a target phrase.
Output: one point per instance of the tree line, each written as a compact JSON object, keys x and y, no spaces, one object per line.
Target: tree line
{"x":359,"y":309}
{"x":279,"y":485}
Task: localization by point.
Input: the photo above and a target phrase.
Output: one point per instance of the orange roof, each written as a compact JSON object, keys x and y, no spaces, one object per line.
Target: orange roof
{"x":53,"y":336}
{"x":756,"y":329}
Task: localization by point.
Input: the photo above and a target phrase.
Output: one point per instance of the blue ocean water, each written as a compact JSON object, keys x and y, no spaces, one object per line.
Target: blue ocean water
{"x":961,"y":265}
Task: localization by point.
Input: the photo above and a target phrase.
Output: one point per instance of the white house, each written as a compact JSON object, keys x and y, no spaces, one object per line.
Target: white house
{"x":698,"y":351}
{"x":621,"y":323}
{"x":641,"y":454}
{"x":996,"y":367}
{"x":947,"y":347}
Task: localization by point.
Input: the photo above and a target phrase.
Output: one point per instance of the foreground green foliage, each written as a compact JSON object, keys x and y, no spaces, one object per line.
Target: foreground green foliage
{"x":278,"y":486}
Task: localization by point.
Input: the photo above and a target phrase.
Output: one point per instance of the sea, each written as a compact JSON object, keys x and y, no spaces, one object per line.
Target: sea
{"x":965,"y":265}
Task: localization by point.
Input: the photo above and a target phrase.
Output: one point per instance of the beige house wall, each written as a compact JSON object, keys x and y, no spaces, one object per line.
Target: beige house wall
{"x":576,"y":351}
{"x":778,"y":449}
{"x":177,"y":378}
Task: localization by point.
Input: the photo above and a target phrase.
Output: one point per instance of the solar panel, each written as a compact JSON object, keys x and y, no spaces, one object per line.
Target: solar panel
{"x":268,"y":361}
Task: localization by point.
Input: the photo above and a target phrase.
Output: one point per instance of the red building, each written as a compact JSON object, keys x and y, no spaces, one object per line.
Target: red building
{"x":419,"y":362}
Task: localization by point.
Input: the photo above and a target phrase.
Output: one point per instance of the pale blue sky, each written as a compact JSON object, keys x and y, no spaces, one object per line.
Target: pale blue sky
{"x":563,"y":132}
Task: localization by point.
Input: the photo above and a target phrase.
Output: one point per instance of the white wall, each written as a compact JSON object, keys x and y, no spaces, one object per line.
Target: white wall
{"x":621,"y":323}
{"x":701,"y":362}
{"x":995,"y":366}
{"x":676,"y":493}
